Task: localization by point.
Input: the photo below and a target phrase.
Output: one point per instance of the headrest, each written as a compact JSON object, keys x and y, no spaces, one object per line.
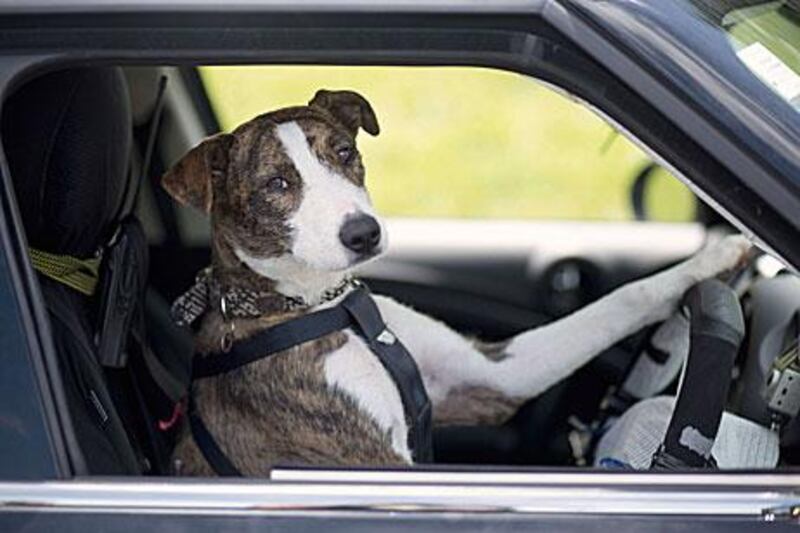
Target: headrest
{"x":67,"y":138}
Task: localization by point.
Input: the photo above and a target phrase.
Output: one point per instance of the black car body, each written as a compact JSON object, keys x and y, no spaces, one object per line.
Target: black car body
{"x":662,"y":71}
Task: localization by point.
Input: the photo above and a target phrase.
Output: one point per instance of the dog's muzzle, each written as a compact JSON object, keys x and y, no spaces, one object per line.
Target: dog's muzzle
{"x":361,"y":234}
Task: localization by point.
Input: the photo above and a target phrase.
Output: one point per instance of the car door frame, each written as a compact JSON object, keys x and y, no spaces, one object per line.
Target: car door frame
{"x":676,"y":58}
{"x":521,"y":36}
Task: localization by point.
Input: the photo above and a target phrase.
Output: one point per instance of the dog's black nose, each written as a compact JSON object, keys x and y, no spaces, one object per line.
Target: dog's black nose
{"x":360,"y":233}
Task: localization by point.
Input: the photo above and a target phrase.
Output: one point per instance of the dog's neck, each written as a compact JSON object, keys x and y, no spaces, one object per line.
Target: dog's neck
{"x":282,"y":277}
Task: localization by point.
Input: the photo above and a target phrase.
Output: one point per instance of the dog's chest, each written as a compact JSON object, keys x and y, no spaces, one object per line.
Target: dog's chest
{"x":356,"y":371}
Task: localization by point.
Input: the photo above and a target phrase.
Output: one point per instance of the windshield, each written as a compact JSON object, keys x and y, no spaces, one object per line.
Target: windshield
{"x":766,"y":38}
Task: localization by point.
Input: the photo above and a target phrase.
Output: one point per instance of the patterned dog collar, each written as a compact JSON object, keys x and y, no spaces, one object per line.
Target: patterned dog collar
{"x":239,"y":302}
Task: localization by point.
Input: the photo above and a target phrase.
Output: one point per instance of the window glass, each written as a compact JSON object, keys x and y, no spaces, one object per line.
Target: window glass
{"x":767,"y":40}
{"x":26,"y":449}
{"x":465,"y":142}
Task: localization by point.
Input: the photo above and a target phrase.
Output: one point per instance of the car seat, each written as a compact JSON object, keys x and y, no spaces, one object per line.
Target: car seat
{"x":68,"y":140}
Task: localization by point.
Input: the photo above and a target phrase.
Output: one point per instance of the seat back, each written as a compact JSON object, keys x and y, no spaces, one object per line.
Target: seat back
{"x":67,"y":138}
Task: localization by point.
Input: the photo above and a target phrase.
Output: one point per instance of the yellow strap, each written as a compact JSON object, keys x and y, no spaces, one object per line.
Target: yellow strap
{"x":79,"y":274}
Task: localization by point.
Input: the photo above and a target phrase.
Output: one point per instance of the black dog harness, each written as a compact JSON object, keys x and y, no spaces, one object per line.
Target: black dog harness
{"x":358,"y":312}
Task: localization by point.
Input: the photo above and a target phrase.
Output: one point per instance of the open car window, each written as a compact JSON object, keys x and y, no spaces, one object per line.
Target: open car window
{"x":467,"y":142}
{"x":540,"y":270}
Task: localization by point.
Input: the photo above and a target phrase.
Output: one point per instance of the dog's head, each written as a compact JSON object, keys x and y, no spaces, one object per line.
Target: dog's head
{"x":286,"y":190}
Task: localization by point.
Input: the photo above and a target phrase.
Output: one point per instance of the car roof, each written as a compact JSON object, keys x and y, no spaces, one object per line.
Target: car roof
{"x":678,"y":41}
{"x":671,"y":36}
{"x":110,"y":6}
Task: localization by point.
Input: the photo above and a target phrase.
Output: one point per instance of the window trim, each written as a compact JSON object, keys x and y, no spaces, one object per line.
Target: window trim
{"x":745,"y":496}
{"x":521,"y":42}
{"x":65,"y":454}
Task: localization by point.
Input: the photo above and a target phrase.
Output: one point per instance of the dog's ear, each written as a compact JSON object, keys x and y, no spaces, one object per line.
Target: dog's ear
{"x":189,"y":180}
{"x":348,"y":107}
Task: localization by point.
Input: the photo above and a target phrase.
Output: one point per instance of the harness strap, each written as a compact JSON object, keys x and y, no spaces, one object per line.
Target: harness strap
{"x":211,"y":451}
{"x":401,"y":367}
{"x":357,"y":311}
{"x":276,"y":339}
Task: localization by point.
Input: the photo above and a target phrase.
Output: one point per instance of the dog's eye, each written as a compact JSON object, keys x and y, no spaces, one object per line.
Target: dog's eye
{"x":277,"y":184}
{"x":345,"y":154}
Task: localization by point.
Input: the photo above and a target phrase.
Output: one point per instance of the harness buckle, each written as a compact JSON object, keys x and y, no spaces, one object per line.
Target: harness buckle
{"x":386,"y":337}
{"x":226,"y":342}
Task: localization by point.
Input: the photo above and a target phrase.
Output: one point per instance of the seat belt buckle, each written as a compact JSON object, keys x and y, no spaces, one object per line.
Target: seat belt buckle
{"x":783,"y":392}
{"x":121,"y":288}
{"x":783,"y":386}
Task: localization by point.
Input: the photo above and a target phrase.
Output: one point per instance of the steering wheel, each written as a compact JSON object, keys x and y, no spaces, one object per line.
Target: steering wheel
{"x":716,"y":330}
{"x":665,"y":348}
{"x":706,"y":333}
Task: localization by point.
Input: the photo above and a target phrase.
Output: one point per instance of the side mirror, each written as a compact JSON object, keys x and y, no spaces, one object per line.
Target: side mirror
{"x":657,"y":195}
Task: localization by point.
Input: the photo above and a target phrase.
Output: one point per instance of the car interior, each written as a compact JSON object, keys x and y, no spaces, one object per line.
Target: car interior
{"x":86,"y":147}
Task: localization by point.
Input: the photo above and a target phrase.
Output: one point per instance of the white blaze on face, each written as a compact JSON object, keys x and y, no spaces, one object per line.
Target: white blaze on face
{"x":328,"y":198}
{"x":317,"y":257}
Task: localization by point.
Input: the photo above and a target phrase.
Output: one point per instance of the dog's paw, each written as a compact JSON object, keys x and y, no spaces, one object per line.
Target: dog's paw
{"x":721,"y":256}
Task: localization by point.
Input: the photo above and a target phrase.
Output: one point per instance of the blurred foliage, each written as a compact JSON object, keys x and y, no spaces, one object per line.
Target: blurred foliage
{"x":464,"y":142}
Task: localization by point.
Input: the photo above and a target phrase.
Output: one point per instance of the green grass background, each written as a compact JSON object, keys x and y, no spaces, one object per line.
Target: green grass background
{"x":465,"y":142}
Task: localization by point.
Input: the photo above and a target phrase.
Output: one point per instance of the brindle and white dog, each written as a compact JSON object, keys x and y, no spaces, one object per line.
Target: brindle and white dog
{"x":290,"y":216}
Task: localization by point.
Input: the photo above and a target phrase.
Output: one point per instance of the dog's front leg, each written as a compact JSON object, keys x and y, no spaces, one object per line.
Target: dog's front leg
{"x":471,"y":383}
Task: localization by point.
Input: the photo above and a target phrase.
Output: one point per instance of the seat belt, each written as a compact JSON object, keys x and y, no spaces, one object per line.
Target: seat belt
{"x":358,"y":312}
{"x":121,"y":291}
